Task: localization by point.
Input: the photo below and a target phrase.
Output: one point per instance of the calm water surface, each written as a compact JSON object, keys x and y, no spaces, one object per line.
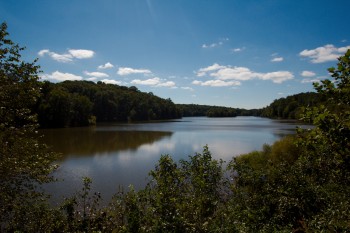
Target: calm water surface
{"x":119,"y":154}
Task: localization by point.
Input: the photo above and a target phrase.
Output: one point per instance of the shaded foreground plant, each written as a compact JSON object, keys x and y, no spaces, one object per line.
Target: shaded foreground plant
{"x":25,"y":164}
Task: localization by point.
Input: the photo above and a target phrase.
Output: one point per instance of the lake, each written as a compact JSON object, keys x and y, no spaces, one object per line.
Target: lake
{"x":120,"y":154}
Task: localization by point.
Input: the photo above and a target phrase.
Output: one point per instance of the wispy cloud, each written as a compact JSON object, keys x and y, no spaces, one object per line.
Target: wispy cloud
{"x":187,"y":88}
{"x":81,"y":53}
{"x":155,"y":82}
{"x":108,"y":65}
{"x":307,"y":73}
{"x":236,"y":50}
{"x":68,"y":56}
{"x":277,"y":59}
{"x":324,"y":54}
{"x":227,"y":75}
{"x":203,"y":71}
{"x":216,"y":83}
{"x":96,"y":74}
{"x":111,"y":81}
{"x":215,"y":44}
{"x":306,"y":80}
{"x":277,"y":77}
{"x":59,"y":76}
{"x":127,"y":71}
{"x":43,"y":52}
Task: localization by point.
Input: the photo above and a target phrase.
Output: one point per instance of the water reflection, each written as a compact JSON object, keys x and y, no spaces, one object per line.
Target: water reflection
{"x":91,"y":141}
{"x":123,"y":154}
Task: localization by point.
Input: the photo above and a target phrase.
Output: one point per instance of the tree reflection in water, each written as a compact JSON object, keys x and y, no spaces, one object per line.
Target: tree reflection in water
{"x":87,"y":141}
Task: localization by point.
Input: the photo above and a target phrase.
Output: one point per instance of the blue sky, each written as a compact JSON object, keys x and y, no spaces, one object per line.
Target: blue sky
{"x":236,"y":53}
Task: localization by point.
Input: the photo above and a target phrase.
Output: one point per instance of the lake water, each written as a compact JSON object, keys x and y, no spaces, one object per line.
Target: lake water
{"x":119,"y":154}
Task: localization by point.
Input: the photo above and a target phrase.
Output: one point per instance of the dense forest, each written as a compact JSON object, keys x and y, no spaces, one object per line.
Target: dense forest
{"x":292,"y":106}
{"x":81,"y":103}
{"x":299,"y":184}
{"x":190,"y":110}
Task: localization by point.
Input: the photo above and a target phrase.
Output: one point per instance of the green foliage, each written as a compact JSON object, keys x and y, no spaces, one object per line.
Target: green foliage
{"x":81,"y":212}
{"x":60,"y":108}
{"x":292,"y":106}
{"x":24,"y":163}
{"x":190,"y":110}
{"x":221,"y":112}
{"x":80,"y":103}
{"x":185,"y":197}
{"x":269,"y":193}
{"x":180,"y":197}
{"x":301,"y":184}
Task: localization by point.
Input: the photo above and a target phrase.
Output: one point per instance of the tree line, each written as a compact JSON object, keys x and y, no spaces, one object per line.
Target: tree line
{"x":299,"y":184}
{"x":194,"y":110}
{"x":81,"y":103}
{"x":291,"y":107}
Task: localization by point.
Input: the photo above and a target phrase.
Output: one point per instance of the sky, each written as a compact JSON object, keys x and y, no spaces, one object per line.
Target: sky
{"x":234,"y":53}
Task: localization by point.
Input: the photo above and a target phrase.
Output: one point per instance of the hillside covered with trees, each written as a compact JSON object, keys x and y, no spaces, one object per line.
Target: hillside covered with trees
{"x":81,"y":103}
{"x":298,"y":184}
{"x":291,"y":107}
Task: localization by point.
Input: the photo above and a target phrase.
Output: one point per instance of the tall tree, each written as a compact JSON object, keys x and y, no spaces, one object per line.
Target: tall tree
{"x":24,"y":162}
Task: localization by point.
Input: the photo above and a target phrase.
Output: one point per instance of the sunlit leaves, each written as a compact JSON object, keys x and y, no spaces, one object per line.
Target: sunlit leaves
{"x":24,"y":163}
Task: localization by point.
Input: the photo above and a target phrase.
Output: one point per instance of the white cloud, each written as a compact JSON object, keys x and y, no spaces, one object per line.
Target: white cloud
{"x":324,"y":54}
{"x":126,"y":71}
{"x":306,"y":80}
{"x":58,"y":76}
{"x":224,"y":73}
{"x":156,"y":82}
{"x":187,"y":88}
{"x":167,"y":84}
{"x":278,"y":76}
{"x":150,"y":82}
{"x":203,"y":71}
{"x":236,"y":50}
{"x":111,"y":81}
{"x":61,"y":57}
{"x":235,"y":73}
{"x":216,"y":83}
{"x":213,"y":45}
{"x":81,"y":53}
{"x":216,"y":44}
{"x":277,"y":59}
{"x":307,"y":73}
{"x":67,"y":57}
{"x":106,"y":66}
{"x":43,"y":52}
{"x":96,"y":74}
